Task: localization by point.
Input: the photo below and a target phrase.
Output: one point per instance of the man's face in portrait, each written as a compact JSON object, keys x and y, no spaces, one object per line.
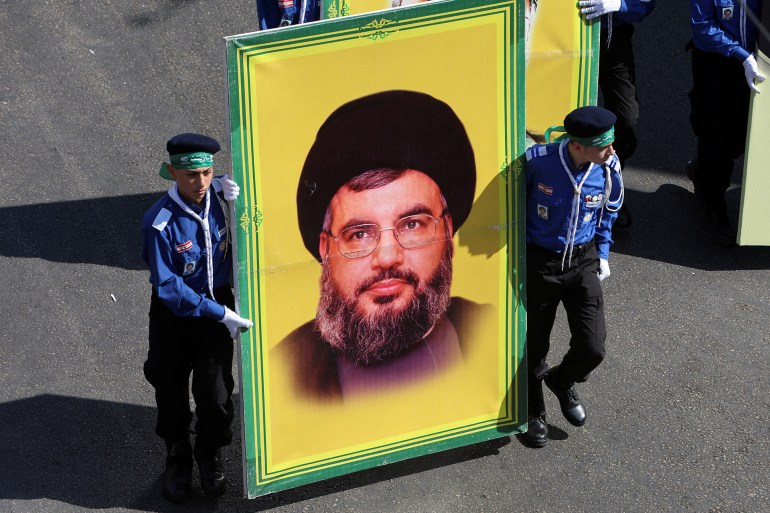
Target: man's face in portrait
{"x":387,"y":254}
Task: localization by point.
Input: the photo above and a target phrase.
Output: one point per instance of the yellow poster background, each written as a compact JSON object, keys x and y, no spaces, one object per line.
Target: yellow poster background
{"x":561,"y":71}
{"x":463,"y":63}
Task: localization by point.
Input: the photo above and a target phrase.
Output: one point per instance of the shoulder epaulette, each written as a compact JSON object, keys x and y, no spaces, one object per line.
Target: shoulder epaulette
{"x":539,"y":150}
{"x":161,"y":220}
{"x":614,"y":163}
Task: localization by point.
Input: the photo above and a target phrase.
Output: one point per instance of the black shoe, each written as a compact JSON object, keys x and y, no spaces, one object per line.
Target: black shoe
{"x":178,"y":475}
{"x":213,"y":478}
{"x":571,"y":407}
{"x":537,"y":431}
{"x":624,"y":220}
{"x":716,"y":225}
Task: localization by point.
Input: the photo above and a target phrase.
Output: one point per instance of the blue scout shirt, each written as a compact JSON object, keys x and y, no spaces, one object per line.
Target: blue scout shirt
{"x":174,"y":246}
{"x":721,"y":26}
{"x":550,"y":195}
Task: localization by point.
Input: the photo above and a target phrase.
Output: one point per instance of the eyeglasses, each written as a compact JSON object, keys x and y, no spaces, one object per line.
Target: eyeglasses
{"x":410,"y":232}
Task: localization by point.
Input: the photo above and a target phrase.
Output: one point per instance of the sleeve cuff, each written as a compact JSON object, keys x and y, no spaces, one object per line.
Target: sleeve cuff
{"x":212,"y":310}
{"x":603,"y":249}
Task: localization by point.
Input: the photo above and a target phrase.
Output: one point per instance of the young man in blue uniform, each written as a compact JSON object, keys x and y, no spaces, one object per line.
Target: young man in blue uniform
{"x":617,"y":72}
{"x":574,"y":190}
{"x":724,"y":73}
{"x":186,"y":243}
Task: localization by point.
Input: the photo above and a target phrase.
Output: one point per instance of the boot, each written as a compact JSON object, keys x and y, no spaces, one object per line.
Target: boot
{"x":537,"y":428}
{"x":571,"y":407}
{"x":213,"y":478}
{"x":178,"y":475}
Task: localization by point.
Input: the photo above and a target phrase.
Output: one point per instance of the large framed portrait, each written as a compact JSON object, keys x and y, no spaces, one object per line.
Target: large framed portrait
{"x":379,"y":237}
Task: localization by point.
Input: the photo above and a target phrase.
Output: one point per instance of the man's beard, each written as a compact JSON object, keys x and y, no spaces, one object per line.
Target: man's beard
{"x":368,"y":339}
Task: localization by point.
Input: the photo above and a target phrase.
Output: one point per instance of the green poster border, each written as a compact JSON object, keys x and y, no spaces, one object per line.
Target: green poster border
{"x":374,"y":26}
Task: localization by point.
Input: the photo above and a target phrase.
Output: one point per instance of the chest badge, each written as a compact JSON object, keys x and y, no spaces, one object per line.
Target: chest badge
{"x":180,"y":248}
{"x":189,"y":268}
{"x":545,"y":189}
{"x":727,"y":13}
{"x":593,"y":201}
{"x":542,"y":212}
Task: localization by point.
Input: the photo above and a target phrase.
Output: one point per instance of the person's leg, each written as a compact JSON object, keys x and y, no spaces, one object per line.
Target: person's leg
{"x":544,"y":290}
{"x":167,"y":368}
{"x":617,"y":81}
{"x":584,"y":302}
{"x":719,"y":103}
{"x":543,"y":296}
{"x":212,"y":389}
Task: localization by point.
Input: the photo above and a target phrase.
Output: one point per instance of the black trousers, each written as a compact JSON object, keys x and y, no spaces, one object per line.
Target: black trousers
{"x":579,"y":289}
{"x":180,"y":346}
{"x":617,"y":80}
{"x":719,"y":102}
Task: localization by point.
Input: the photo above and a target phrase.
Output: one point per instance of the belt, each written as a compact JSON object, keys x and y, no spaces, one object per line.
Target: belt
{"x":577,"y":251}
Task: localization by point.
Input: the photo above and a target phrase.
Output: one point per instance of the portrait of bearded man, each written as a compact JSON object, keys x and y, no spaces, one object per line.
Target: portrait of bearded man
{"x":388,"y":181}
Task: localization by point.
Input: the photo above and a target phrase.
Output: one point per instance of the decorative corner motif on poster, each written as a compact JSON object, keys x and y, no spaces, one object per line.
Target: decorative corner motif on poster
{"x":505,"y":169}
{"x":246,"y":220}
{"x":518,"y":166}
{"x":344,"y":9}
{"x":380,"y":26}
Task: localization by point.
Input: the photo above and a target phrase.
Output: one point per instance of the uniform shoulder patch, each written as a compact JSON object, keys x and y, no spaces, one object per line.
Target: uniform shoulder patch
{"x":161,"y":220}
{"x":539,"y":150}
{"x":614,"y":163}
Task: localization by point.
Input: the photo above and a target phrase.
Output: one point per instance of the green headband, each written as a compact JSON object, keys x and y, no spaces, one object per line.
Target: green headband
{"x":193,"y":160}
{"x":598,"y":140}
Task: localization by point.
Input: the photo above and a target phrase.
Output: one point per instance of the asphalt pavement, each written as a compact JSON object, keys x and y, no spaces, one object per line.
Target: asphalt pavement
{"x":90,"y":92}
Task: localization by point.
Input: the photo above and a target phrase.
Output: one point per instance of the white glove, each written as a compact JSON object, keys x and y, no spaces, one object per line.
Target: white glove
{"x":595,"y":8}
{"x":604,"y":270}
{"x":752,"y":73}
{"x":234,"y":322}
{"x":229,"y":188}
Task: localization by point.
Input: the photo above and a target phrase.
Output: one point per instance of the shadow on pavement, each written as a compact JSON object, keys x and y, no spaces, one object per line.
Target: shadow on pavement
{"x":666,"y":229}
{"x":95,"y":454}
{"x":103,"y":231}
{"x":101,"y":454}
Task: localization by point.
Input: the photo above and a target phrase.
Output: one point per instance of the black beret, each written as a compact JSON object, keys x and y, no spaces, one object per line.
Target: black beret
{"x":590,"y":121}
{"x":392,"y":129}
{"x":191,"y":143}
